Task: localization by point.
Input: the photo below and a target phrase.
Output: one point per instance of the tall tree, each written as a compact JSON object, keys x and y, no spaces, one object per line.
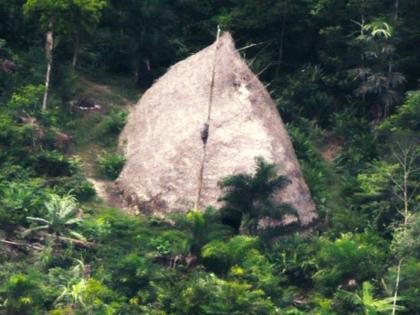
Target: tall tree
{"x":406,"y":158}
{"x":85,"y":15}
{"x":377,"y":74}
{"x":139,"y":36}
{"x":65,"y":17}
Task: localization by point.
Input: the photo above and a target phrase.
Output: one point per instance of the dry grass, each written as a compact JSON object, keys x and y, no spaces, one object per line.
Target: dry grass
{"x":164,"y":146}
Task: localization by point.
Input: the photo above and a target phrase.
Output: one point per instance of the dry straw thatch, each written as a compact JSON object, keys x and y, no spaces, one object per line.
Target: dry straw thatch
{"x":167,"y":161}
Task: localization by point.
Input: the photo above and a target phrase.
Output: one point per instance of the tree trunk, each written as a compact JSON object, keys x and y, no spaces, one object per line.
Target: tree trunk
{"x":405,"y":160}
{"x":143,"y":75}
{"x":49,"y":45}
{"x":397,"y":284}
{"x":377,"y":112}
{"x":76,"y":51}
{"x":56,"y":243}
{"x":362,"y":33}
{"x":283,"y":30}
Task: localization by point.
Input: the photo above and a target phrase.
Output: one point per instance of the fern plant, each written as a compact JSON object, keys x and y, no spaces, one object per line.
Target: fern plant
{"x":366,"y":301}
{"x":61,"y":216}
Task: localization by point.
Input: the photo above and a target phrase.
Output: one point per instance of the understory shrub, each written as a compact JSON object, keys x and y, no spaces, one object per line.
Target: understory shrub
{"x":114,"y":122}
{"x":77,"y":184}
{"x":110,"y":164}
{"x":131,"y":274}
{"x":294,"y":258}
{"x":54,"y":164}
{"x":22,"y":295}
{"x":314,"y":168}
{"x":219,"y":256}
{"x":409,"y":283}
{"x":350,"y":257}
{"x":206,"y":294}
{"x":19,"y":199}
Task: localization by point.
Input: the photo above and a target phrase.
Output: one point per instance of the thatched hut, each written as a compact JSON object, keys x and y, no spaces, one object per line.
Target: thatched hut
{"x":208,"y":117}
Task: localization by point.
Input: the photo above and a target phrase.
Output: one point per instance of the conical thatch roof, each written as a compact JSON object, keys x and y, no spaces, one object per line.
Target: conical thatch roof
{"x":164,"y":135}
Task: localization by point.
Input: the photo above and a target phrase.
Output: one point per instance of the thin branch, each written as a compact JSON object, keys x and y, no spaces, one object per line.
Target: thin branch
{"x":396,"y":182}
{"x":397,"y":195}
{"x":20,"y":244}
{"x":397,"y":282}
{"x":265,"y":68}
{"x":251,"y":62}
{"x":77,"y":242}
{"x":414,"y":191}
{"x":400,"y":161}
{"x":251,"y":45}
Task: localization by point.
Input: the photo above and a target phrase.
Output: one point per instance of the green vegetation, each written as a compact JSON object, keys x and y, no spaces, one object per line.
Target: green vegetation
{"x":110,"y":164}
{"x":344,"y":75}
{"x":249,"y":199}
{"x":60,"y":216}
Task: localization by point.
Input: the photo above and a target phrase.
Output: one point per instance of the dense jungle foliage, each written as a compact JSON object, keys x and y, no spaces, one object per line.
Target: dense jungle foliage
{"x":345,"y":77}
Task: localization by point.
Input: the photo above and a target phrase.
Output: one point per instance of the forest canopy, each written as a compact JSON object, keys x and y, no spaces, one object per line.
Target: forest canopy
{"x":344,"y":76}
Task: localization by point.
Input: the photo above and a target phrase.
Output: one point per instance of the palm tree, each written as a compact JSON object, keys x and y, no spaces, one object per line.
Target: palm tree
{"x":383,"y":85}
{"x":377,"y":75}
{"x":61,"y":216}
{"x":249,"y":198}
{"x":367,"y":302}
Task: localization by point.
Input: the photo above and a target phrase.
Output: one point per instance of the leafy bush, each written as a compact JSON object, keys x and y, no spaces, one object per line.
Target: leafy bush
{"x":314,"y":168}
{"x":22,"y":294}
{"x":407,"y":116}
{"x":85,"y":296}
{"x":16,"y":139}
{"x":305,"y":95}
{"x":203,"y":227}
{"x":359,"y":145}
{"x":207,"y":294}
{"x":170,"y":243}
{"x":110,"y":164}
{"x":257,"y":270}
{"x":54,"y":164}
{"x":114,"y":122}
{"x":406,"y":241}
{"x":77,"y":184}
{"x":363,"y":301}
{"x":374,"y":194}
{"x":295,"y":258}
{"x":346,"y":124}
{"x":220,"y":256}
{"x":350,"y":257}
{"x":19,"y":199}
{"x":409,"y":283}
{"x":13,"y":172}
{"x":131,"y":274}
{"x":27,"y":98}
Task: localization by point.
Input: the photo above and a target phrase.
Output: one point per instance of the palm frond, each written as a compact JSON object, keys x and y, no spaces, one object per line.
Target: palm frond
{"x":34,"y":229}
{"x":77,"y":235}
{"x":73,"y":221}
{"x":39,"y":220}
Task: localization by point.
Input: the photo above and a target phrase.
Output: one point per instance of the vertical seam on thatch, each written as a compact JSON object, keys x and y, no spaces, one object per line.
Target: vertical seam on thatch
{"x":207,"y":124}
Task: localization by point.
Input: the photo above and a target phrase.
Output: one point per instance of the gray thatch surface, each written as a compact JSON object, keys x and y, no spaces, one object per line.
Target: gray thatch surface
{"x":163,"y":136}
